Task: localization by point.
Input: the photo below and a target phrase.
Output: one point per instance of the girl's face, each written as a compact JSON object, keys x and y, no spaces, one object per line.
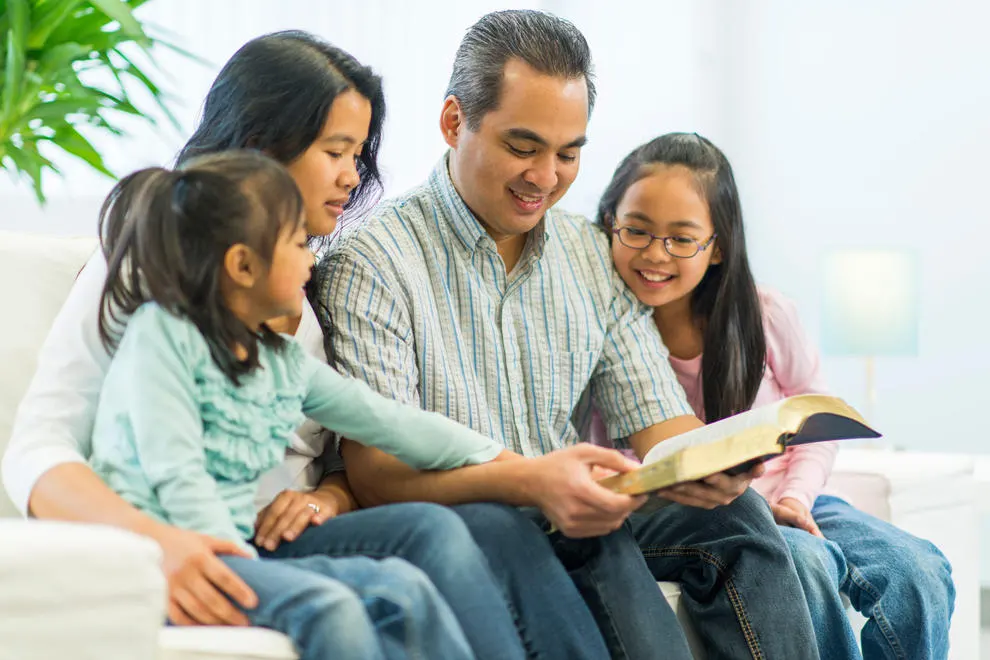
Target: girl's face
{"x":666,"y":202}
{"x":326,"y":172}
{"x":282,"y":290}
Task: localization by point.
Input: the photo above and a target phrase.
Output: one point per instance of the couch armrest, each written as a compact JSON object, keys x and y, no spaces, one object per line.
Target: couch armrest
{"x":930,"y":495}
{"x":78,"y":591}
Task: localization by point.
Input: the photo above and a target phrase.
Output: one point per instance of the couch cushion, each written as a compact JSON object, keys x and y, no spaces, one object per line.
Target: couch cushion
{"x":219,"y":643}
{"x":36,"y":274}
{"x":78,"y":591}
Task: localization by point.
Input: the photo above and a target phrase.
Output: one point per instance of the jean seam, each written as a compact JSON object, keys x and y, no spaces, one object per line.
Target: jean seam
{"x":735,"y":599}
{"x":883,"y":623}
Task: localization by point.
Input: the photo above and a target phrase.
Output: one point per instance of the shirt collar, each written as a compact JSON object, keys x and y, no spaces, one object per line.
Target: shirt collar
{"x":463,"y":222}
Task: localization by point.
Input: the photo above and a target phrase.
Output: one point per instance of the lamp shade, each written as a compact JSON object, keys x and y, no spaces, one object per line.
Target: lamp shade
{"x":871,"y":302}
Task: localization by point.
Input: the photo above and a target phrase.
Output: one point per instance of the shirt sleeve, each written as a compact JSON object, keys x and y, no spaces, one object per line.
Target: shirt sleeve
{"x":155,"y":358}
{"x":794,"y":363}
{"x":54,"y":421}
{"x":634,"y":386}
{"x":421,"y":439}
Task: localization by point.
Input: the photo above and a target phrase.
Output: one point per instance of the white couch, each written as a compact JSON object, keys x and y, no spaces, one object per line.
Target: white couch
{"x":82,"y":591}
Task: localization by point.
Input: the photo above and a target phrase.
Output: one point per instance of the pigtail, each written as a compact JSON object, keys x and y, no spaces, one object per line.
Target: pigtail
{"x":137,"y":201}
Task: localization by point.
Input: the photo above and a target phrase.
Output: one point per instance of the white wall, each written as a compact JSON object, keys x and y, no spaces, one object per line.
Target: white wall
{"x":857,"y":123}
{"x":848,"y":123}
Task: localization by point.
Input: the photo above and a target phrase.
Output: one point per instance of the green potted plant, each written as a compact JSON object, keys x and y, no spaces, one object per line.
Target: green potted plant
{"x":66,"y":64}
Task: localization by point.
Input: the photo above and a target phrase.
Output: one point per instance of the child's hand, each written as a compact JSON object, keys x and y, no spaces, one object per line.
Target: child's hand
{"x":199,"y":584}
{"x":789,"y":511}
{"x":289,"y":515}
{"x":712,"y":491}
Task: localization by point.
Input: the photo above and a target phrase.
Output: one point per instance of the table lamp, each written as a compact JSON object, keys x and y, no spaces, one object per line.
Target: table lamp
{"x":871,"y":308}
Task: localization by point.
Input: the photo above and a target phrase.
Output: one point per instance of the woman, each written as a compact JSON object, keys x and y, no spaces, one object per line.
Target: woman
{"x":320,"y":112}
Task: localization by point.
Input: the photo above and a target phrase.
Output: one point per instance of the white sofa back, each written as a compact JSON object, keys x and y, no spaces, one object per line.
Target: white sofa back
{"x":36,"y":273}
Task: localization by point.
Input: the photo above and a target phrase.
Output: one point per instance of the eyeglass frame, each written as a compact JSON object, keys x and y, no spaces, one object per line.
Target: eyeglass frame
{"x":663,"y":239}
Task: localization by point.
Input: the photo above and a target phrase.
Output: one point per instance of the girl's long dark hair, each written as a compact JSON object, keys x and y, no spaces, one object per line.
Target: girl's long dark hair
{"x":726,"y":302}
{"x":165,"y":233}
{"x":274,"y":95}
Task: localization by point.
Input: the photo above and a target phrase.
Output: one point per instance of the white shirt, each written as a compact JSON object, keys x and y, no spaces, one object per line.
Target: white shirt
{"x":54,"y":421}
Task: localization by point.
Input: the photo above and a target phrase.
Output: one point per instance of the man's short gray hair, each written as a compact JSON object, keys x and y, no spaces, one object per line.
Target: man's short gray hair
{"x":548,"y":43}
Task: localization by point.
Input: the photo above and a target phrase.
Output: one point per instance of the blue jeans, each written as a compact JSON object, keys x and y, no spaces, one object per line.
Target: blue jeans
{"x":353,"y":608}
{"x":546,"y":576}
{"x":738,"y":582}
{"x":498,"y":624}
{"x":736,"y":575}
{"x":901,"y":583}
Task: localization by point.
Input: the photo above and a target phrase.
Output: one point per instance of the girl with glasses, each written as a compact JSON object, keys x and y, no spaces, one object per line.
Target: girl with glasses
{"x":673,"y":212}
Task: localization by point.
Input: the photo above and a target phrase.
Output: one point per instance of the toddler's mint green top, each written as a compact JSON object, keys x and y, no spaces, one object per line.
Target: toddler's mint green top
{"x":177,"y":439}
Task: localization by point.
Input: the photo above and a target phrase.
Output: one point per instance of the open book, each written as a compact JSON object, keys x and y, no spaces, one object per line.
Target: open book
{"x":736,"y":444}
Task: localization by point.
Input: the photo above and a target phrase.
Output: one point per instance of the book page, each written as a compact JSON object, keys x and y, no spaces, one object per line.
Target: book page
{"x":765,"y":415}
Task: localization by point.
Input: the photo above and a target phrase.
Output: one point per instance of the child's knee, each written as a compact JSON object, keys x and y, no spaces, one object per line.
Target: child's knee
{"x":817,"y":560}
{"x":407,"y":580}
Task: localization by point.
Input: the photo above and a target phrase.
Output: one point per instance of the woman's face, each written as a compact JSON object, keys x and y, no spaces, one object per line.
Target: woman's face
{"x":326,"y":172}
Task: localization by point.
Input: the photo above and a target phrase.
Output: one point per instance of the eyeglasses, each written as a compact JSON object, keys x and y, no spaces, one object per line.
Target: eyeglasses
{"x":679,"y":247}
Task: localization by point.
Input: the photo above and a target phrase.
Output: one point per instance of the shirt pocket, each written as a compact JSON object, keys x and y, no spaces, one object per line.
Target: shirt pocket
{"x":566,"y":375}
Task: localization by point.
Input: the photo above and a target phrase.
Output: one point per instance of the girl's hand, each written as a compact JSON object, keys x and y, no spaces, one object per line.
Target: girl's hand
{"x":789,"y":511}
{"x":712,"y":491}
{"x":290,"y":514}
{"x":199,"y":584}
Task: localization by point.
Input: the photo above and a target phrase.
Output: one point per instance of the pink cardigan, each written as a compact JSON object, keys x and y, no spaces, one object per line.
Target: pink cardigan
{"x":792,"y":368}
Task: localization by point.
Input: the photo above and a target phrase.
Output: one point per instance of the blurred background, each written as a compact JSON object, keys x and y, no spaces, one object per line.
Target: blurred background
{"x":851,"y":126}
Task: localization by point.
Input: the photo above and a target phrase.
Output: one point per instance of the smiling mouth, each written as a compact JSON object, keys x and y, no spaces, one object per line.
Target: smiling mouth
{"x":655,"y":278}
{"x":530,"y":202}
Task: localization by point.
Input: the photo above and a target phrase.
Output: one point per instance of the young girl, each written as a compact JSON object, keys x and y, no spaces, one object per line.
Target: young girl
{"x":673,"y":212}
{"x":202,"y":397}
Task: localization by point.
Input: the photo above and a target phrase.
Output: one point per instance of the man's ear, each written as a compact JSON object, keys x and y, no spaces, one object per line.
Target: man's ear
{"x":452,"y":121}
{"x":242,"y":265}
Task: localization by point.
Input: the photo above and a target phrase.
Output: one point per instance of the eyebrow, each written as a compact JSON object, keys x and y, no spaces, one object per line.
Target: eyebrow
{"x":677,"y":224}
{"x":339,"y":137}
{"x":526,"y":134}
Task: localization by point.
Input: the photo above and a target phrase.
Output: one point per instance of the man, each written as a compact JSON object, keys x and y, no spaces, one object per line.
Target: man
{"x":472,"y":297}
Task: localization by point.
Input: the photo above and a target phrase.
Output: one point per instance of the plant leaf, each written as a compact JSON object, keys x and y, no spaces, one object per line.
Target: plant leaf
{"x":121,"y":12}
{"x":20,"y":16}
{"x":71,"y":141}
{"x":156,"y":93}
{"x":48,"y":20}
{"x":29,"y":161}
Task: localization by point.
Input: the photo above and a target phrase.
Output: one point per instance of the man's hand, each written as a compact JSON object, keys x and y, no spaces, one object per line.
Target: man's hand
{"x":563,"y":485}
{"x":714,"y":491}
{"x":199,"y":584}
{"x":789,"y":511}
{"x":290,"y":514}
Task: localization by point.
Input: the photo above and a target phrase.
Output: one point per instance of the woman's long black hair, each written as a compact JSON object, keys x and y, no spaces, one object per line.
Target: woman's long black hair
{"x":165,"y":234}
{"x":726,"y":302}
{"x":274,"y":95}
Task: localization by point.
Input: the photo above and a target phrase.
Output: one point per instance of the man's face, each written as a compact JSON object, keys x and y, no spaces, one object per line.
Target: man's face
{"x":524,"y":155}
